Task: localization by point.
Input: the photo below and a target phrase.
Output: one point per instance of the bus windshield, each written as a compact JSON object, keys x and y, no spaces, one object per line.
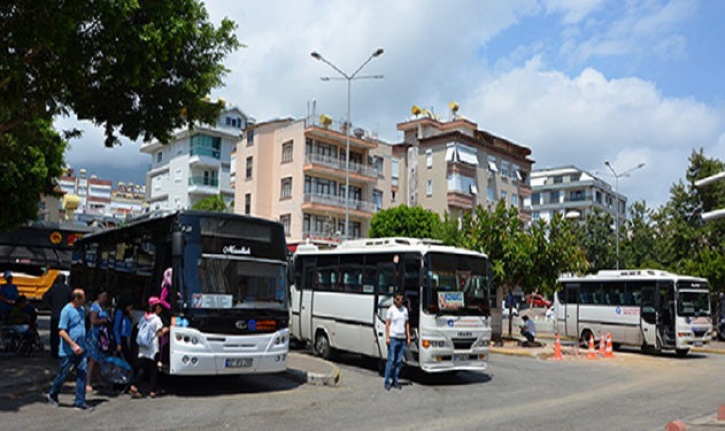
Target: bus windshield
{"x":233,"y":283}
{"x":693,"y":304}
{"x":456,"y":284}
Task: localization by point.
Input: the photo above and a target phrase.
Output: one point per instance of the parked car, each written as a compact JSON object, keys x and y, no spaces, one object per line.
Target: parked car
{"x":537,"y":300}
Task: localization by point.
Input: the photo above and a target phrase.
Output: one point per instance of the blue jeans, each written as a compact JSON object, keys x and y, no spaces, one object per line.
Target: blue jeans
{"x":66,"y":363}
{"x":396,"y":350}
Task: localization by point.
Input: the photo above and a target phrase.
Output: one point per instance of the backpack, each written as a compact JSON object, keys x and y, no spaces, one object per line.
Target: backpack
{"x":146,"y":334}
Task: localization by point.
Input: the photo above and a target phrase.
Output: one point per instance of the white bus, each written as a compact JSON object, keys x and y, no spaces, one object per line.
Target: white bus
{"x":230,"y":285}
{"x":651,"y":309}
{"x":340,"y":297}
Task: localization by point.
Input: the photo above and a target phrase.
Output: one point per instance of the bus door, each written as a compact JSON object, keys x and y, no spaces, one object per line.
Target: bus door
{"x":411,"y":288}
{"x":649,"y":316}
{"x":386,"y":284}
{"x":571,"y":310}
{"x":306,"y":298}
{"x":666,"y":312}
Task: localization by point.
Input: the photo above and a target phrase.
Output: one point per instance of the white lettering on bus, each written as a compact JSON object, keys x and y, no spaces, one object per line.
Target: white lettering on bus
{"x":233,"y":249}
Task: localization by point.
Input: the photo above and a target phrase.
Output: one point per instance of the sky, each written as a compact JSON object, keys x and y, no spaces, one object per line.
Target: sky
{"x":579,"y":82}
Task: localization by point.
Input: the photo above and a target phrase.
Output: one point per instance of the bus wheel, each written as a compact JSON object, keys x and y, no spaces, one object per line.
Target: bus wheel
{"x":682,"y":352}
{"x":322,"y":346}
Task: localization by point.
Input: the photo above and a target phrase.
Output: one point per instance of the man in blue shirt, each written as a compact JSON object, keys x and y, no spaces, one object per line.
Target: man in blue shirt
{"x":8,"y":295}
{"x":72,"y":331}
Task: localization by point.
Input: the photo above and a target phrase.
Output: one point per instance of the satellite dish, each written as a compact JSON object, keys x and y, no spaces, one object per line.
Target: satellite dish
{"x":358,"y":132}
{"x":415,"y":110}
{"x":453,"y":106}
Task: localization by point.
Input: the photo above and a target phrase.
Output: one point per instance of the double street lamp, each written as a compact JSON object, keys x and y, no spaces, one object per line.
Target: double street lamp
{"x":617,"y":176}
{"x":349,"y":78}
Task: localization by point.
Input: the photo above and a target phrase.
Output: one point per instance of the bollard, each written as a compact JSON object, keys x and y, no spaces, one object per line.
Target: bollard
{"x":676,"y":426}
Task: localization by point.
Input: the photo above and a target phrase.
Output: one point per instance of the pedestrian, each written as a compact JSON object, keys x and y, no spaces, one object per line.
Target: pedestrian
{"x":397,"y":337}
{"x":56,"y":298}
{"x":528,"y":329}
{"x":99,"y":317}
{"x":122,"y":326}
{"x":72,"y":330}
{"x":8,"y":295}
{"x":151,"y":330}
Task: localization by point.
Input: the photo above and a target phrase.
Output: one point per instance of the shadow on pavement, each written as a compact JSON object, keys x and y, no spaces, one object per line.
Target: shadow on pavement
{"x":227,"y":385}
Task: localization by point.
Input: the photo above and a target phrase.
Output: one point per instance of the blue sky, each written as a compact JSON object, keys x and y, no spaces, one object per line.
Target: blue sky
{"x":577,"y":81}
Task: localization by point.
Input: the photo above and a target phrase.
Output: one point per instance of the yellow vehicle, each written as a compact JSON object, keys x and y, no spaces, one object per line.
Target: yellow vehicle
{"x":35,"y":286}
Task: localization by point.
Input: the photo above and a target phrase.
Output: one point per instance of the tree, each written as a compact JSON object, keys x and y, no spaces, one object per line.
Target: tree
{"x":414,"y":222}
{"x":637,"y":249}
{"x":32,"y":156}
{"x":212,"y":203}
{"x":138,"y":68}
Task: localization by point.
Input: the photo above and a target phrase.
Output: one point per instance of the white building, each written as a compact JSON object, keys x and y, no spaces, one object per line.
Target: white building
{"x":572,"y":192}
{"x":196,"y":163}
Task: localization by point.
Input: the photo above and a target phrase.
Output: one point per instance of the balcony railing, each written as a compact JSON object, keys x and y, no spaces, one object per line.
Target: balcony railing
{"x":204,"y":181}
{"x":335,"y":163}
{"x":339,"y":202}
{"x":202,"y":151}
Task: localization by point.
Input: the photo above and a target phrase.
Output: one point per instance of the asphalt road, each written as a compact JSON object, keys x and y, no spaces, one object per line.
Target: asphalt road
{"x":629,"y":392}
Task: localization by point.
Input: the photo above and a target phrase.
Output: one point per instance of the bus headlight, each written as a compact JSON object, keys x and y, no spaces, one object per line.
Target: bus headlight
{"x":432,"y":343}
{"x":280,"y":340}
{"x":483,"y":343}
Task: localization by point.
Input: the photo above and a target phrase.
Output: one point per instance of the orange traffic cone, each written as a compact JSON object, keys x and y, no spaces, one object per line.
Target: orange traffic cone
{"x":592,"y":353}
{"x":609,"y":353}
{"x":557,"y":349}
{"x":602,"y":344}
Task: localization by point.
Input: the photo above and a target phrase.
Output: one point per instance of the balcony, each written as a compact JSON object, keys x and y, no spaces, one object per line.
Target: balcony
{"x":524,"y":190}
{"x":201,"y":156}
{"x":458,"y":199}
{"x":336,"y":167}
{"x":204,"y":185}
{"x":326,"y":202}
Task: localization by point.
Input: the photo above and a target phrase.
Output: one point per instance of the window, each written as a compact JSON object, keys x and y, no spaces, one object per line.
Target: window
{"x":504,"y":195}
{"x":395,"y":171}
{"x":504,"y":171}
{"x":558,"y":179}
{"x":286,"y":188}
{"x":554,"y":196}
{"x":177,"y":176}
{"x":514,"y":199}
{"x":205,"y":145}
{"x":286,"y":220}
{"x":535,"y":199}
{"x":159,"y":157}
{"x":250,"y":136}
{"x":474,"y":189}
{"x":535,"y":215}
{"x":378,"y":165}
{"x":287,"y":152}
{"x":248,"y":203}
{"x":429,"y":188}
{"x":429,"y":158}
{"x":378,"y":199}
{"x":491,"y":193}
{"x":577,"y":195}
{"x":574,"y":177}
{"x":457,"y":152}
{"x":515,"y":174}
{"x":249,"y":166}
{"x":492,"y":164}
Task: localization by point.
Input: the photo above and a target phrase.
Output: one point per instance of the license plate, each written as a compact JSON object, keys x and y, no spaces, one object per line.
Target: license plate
{"x":698,"y":343}
{"x":460,"y":358}
{"x":238,"y":363}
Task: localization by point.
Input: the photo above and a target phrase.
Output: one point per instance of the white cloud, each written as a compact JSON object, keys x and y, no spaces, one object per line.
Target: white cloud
{"x":573,"y":10}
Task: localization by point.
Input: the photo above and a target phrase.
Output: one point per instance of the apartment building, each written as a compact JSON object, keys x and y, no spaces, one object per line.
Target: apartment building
{"x":94,"y":194}
{"x":573,"y":193}
{"x":295,"y":171}
{"x":452,"y":166}
{"x":196,"y":163}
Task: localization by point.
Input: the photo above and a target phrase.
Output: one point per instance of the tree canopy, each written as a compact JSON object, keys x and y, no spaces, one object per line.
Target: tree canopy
{"x":136,"y":68}
{"x":214,"y":203}
{"x":414,"y":222}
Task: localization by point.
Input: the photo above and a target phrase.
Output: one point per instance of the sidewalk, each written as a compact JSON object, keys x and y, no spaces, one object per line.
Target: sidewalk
{"x":512,"y":347}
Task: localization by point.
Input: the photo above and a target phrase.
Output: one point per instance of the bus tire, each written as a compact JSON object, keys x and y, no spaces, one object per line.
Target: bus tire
{"x":682,"y":352}
{"x":322,"y":345}
{"x":584,"y":339}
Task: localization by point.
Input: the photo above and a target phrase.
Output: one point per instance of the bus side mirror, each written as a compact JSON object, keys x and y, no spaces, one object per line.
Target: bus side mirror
{"x":177,"y":244}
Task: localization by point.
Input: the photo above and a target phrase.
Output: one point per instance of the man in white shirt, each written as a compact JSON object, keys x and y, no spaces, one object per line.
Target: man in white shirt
{"x":397,"y":337}
{"x":528,"y":329}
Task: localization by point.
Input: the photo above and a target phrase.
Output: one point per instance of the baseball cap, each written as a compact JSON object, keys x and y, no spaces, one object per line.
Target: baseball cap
{"x":154,"y":300}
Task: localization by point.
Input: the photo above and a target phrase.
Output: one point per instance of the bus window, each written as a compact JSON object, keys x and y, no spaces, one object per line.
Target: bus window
{"x":614,"y":293}
{"x":386,"y":279}
{"x":351,"y":274}
{"x":327,"y":279}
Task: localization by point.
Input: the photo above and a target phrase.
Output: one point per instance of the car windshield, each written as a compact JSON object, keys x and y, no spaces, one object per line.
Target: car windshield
{"x":693,"y":303}
{"x":231,"y":283}
{"x":457,"y":284}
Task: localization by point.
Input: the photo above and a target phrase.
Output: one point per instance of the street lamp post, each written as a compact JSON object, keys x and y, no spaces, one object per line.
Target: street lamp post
{"x":617,"y":176}
{"x":349,"y":79}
